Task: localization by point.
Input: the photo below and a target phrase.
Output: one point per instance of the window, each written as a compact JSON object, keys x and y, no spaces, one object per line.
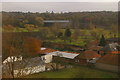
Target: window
{"x":76,"y":60}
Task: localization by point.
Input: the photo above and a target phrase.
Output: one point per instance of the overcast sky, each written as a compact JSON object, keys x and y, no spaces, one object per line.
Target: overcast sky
{"x":59,"y":6}
{"x":59,"y":0}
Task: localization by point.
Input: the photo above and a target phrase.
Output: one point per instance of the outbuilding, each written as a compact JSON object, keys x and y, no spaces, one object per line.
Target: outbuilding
{"x":23,"y":67}
{"x":88,"y":56}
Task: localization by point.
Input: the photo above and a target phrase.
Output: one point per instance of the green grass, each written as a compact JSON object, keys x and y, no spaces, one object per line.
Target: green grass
{"x":81,"y":41}
{"x":85,"y":38}
{"x":75,"y":72}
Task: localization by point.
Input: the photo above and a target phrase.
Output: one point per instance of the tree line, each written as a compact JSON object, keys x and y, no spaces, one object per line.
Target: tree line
{"x":102,"y":19}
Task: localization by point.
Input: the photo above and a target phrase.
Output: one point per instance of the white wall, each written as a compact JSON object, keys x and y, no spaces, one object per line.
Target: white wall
{"x":47,"y":58}
{"x":29,"y":70}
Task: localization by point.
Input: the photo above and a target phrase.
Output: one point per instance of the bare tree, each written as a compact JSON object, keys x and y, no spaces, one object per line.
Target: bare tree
{"x":12,"y":48}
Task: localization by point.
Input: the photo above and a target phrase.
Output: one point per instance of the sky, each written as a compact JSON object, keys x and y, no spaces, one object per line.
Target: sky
{"x":68,"y":6}
{"x":59,"y":0}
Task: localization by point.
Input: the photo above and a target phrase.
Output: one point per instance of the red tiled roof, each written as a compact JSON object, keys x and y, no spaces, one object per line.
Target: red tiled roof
{"x":75,"y":48}
{"x":101,"y":52}
{"x":47,"y":50}
{"x":115,"y":52}
{"x":95,"y":42}
{"x":71,"y":52}
{"x":89,"y":54}
{"x":109,"y":59}
{"x":95,"y":48}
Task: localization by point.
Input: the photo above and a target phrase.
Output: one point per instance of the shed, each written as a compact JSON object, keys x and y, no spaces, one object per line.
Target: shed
{"x":88,"y":56}
{"x":64,"y":57}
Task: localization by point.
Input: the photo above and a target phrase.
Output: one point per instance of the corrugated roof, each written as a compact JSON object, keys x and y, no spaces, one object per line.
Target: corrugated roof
{"x":70,"y":52}
{"x":64,"y":54}
{"x":46,"y":50}
{"x":49,"y":50}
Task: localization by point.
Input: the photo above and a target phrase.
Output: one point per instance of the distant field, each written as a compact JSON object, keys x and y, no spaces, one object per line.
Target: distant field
{"x":83,"y":37}
{"x":75,"y":72}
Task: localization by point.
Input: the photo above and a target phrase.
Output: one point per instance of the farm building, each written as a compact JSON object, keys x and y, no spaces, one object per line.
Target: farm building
{"x":62,"y":23}
{"x":23,"y":67}
{"x":45,"y":56}
{"x":50,"y":55}
{"x":109,"y":62}
{"x":88,"y":56}
{"x":111,"y":47}
{"x":64,"y":55}
{"x":64,"y":58}
{"x":46,"y":50}
{"x":27,"y":66}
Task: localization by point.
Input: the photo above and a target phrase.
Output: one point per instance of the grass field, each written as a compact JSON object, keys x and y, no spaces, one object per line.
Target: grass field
{"x":83,"y":37}
{"x":75,"y":72}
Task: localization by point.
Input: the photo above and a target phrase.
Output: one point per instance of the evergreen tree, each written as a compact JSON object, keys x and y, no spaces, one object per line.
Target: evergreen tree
{"x":67,"y":33}
{"x":102,"y":41}
{"x":60,"y":34}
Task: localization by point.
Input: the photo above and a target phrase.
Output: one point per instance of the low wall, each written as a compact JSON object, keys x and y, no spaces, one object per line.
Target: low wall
{"x":29,"y":70}
{"x":23,"y":72}
{"x":107,"y":67}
